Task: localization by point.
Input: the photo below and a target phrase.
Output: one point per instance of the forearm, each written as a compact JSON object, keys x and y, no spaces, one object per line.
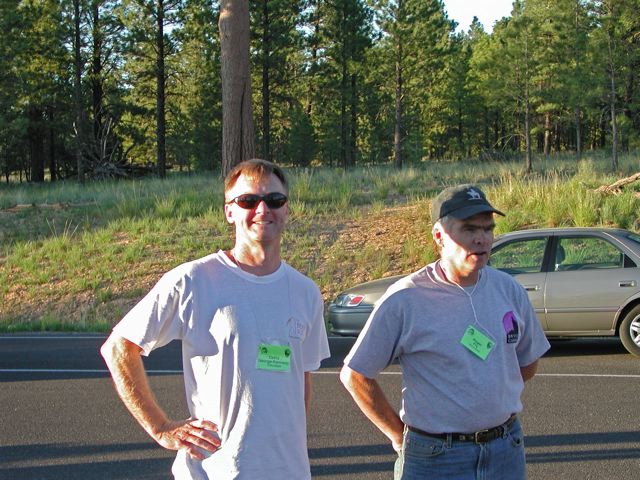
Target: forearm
{"x":132,"y":384}
{"x":371,"y":400}
{"x":529,"y":371}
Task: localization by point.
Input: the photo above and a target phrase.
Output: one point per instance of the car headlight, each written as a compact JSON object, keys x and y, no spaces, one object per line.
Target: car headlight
{"x":348,"y":300}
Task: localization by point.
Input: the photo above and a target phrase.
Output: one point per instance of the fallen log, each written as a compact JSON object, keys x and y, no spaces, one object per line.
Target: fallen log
{"x":616,"y":187}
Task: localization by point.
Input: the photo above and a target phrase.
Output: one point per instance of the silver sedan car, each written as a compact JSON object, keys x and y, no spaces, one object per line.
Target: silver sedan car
{"x":582,"y":282}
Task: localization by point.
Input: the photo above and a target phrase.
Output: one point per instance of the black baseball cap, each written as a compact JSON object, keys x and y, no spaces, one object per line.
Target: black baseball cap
{"x":462,"y":201}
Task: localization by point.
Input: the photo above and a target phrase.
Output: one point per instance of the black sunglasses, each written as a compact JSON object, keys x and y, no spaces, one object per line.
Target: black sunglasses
{"x":249,"y":201}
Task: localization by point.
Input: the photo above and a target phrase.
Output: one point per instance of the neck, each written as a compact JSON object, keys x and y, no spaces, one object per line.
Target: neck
{"x":257,"y":261}
{"x":452,"y":275}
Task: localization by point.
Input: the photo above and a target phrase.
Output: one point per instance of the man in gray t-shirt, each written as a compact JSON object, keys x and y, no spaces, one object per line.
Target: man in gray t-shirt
{"x":467,"y":339}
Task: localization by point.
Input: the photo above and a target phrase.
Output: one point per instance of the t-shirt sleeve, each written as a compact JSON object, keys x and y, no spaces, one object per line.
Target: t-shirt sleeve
{"x":376,"y":346}
{"x":155,"y":320}
{"x":533,"y":343}
{"x":316,"y":344}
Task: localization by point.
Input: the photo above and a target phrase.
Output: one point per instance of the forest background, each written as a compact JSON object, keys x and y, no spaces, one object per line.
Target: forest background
{"x":335,"y":83}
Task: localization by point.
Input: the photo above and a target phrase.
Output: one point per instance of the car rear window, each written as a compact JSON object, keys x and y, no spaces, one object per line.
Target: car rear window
{"x":635,"y":237}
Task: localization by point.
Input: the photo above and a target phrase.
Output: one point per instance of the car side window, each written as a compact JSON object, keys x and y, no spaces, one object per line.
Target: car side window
{"x":520,"y":256}
{"x":587,"y":253}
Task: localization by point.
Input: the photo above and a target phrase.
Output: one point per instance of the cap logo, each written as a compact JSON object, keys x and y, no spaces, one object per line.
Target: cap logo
{"x":474,"y":194}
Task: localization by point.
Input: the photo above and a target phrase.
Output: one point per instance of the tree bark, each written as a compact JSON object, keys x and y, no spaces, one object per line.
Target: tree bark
{"x":612,"y":95}
{"x":237,"y":112}
{"x":160,"y":92}
{"x":36,"y":145}
{"x":51,"y":143}
{"x":578,"y":121}
{"x":397,"y":136}
{"x":343,"y":111}
{"x":527,"y":134}
{"x":77,"y":91}
{"x":616,"y":187}
{"x":614,"y":122}
{"x":547,"y":134}
{"x":266,"y":101}
{"x":97,"y":90}
{"x":353,"y":122}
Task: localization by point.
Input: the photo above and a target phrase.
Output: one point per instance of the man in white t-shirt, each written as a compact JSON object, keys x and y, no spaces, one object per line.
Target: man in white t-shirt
{"x":251,"y":329}
{"x":467,"y":339}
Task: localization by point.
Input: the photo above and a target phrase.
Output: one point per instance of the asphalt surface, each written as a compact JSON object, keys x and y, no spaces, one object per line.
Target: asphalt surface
{"x":60,"y":417}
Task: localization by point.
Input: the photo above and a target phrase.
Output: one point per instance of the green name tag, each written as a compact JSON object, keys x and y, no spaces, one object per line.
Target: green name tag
{"x":276,"y":358}
{"x":477,"y":342}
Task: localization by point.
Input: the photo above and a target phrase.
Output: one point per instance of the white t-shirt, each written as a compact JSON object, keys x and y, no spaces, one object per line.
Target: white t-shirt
{"x":222,"y":314}
{"x":421,"y":321}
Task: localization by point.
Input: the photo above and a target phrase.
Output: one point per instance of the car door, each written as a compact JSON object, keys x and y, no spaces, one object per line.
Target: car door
{"x":523,"y":258}
{"x":585,"y":286}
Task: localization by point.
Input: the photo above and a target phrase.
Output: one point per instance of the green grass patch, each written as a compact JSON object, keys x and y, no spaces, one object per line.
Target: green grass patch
{"x":77,"y":257}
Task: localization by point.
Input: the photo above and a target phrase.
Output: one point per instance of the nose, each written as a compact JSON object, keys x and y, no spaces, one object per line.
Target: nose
{"x":483,"y":237}
{"x":261,"y":206}
{"x":487,"y":237}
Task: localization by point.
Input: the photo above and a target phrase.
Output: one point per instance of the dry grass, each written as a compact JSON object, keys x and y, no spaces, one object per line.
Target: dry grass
{"x":82,"y":257}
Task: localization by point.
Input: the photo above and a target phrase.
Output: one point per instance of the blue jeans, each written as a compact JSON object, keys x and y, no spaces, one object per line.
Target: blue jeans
{"x":430,"y":458}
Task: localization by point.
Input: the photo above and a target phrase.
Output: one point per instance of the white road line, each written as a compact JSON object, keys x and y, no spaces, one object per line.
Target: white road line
{"x":320,"y":372}
{"x":53,"y":337}
{"x":61,"y":370}
{"x":330,"y":372}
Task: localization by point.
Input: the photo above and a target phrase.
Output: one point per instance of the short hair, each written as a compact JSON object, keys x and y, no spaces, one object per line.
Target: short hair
{"x":255,"y":169}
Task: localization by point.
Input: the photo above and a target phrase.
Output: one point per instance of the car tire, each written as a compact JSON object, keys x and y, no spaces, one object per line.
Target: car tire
{"x":630,"y":331}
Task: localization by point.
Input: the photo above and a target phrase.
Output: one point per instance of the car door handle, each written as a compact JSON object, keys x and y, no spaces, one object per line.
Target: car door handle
{"x":627,"y":283}
{"x":532,"y":288}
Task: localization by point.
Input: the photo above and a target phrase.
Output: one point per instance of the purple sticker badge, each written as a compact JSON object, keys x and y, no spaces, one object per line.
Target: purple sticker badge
{"x":510,"y":324}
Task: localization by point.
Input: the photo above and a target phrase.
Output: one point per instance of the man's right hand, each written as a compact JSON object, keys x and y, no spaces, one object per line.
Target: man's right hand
{"x":132,"y":384}
{"x":191,"y":435}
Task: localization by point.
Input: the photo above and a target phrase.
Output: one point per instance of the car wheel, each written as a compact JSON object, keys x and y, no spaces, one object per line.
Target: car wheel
{"x":630,"y":331}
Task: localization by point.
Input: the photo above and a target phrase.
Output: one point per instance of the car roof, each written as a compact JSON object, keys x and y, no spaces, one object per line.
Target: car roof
{"x":563,"y":231}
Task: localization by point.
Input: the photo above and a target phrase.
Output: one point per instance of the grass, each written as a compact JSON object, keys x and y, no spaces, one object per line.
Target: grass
{"x":76,"y":257}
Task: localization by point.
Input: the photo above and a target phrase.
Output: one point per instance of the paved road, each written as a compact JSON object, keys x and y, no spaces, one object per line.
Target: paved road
{"x":60,"y":418}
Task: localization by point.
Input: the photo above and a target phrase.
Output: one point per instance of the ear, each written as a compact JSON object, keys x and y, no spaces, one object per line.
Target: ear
{"x":437,"y":233}
{"x":228,"y":213}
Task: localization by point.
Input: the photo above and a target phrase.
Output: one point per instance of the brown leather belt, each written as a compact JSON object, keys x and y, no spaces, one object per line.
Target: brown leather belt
{"x":483,"y":436}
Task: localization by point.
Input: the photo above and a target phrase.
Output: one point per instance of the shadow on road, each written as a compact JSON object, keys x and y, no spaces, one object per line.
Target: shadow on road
{"x":54,"y":458}
{"x":586,"y":347}
{"x":357,"y":452}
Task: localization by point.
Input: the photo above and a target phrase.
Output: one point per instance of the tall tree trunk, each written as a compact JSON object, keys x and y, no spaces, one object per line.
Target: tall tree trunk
{"x":343,"y":89}
{"x":77,"y":92}
{"x":577,"y":110}
{"x":578,"y":121}
{"x":397,"y":136}
{"x":612,"y":102}
{"x":160,"y":92}
{"x":51,"y":143}
{"x":266,"y":101}
{"x":614,"y":125}
{"x":314,"y":59}
{"x":343,"y":113}
{"x":353,"y":134}
{"x":97,"y":89}
{"x":36,"y":145}
{"x":487,"y":126}
{"x":547,"y":134}
{"x":527,"y":108}
{"x":237,"y":111}
{"x":527,"y":134}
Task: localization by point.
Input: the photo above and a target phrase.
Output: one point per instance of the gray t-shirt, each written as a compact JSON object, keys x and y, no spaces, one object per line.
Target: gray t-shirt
{"x":421,"y":321}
